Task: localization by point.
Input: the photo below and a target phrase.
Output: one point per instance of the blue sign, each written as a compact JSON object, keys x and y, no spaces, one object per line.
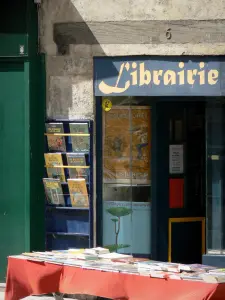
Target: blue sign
{"x":151,"y":76}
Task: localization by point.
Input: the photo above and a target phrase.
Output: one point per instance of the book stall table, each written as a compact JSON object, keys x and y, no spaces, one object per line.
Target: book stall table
{"x":26,"y":277}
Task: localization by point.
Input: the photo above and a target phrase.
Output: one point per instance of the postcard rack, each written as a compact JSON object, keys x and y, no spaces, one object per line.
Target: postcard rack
{"x":68,"y":222}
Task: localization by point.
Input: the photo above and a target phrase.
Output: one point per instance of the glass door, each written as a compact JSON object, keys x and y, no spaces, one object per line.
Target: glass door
{"x":126,"y":175}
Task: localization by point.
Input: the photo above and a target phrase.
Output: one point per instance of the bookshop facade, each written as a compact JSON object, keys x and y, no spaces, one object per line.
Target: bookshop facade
{"x":160,"y":156}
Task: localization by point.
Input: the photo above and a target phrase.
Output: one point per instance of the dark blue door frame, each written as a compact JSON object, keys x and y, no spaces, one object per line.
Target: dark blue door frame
{"x":160,"y":186}
{"x":99,"y":156}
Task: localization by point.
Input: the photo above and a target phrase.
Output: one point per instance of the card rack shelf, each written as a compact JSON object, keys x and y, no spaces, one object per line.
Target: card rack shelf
{"x":68,"y":226}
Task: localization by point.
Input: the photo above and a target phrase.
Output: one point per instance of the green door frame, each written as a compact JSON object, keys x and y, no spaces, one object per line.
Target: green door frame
{"x":34,"y":116}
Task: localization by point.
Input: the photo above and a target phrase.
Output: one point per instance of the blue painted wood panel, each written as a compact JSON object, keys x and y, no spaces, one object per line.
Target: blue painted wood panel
{"x":159,"y":76}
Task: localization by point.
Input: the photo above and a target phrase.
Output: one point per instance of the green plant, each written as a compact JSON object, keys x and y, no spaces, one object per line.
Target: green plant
{"x":118,"y":212}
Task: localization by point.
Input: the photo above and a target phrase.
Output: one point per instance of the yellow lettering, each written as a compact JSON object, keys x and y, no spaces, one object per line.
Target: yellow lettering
{"x":190,"y":74}
{"x":169,"y":77}
{"x":145,"y":75}
{"x":201,"y":73}
{"x":213,"y":77}
{"x":139,"y":75}
{"x":156,"y":75}
{"x":108,"y":89}
{"x":181,"y":74}
{"x":134,"y":74}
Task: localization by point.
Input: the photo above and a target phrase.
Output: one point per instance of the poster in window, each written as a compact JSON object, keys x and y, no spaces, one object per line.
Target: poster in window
{"x":126,"y":144}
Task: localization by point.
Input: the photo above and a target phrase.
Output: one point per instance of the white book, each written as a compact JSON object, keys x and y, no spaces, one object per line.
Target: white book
{"x":158,"y":274}
{"x":114,"y":255}
{"x":97,"y":250}
{"x":213,"y":277}
{"x":86,"y":256}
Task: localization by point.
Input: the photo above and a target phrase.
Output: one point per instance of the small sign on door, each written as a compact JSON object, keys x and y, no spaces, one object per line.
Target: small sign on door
{"x":176,"y":159}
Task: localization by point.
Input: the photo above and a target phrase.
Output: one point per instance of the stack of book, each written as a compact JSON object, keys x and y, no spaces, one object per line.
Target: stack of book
{"x":175,"y":270}
{"x":151,"y":268}
{"x":114,"y":255}
{"x":214,"y":276}
{"x":97,"y":251}
{"x":100,"y":259}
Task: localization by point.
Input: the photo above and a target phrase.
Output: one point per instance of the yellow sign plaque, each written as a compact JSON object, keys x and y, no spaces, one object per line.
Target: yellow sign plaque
{"x":106,"y":104}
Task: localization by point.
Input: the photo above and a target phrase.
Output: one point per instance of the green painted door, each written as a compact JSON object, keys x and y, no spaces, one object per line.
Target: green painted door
{"x":13,"y":162}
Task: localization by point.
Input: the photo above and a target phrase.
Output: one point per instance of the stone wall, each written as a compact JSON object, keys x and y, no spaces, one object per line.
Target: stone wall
{"x":69,"y":69}
{"x":72,"y":32}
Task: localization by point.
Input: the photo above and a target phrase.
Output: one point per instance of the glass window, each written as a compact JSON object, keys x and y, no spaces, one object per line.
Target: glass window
{"x":215,"y":160}
{"x":126,"y":175}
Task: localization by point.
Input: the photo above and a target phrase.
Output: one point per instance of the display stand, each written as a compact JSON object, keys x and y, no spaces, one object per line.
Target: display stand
{"x":69,"y":226}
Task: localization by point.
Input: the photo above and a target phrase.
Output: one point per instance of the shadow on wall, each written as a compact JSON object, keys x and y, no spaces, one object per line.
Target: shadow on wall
{"x":70,"y":73}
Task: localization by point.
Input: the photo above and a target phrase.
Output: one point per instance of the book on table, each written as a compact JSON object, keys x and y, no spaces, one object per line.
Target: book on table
{"x":96,"y":250}
{"x":150,"y":265}
{"x":195,"y":268}
{"x":114,"y":255}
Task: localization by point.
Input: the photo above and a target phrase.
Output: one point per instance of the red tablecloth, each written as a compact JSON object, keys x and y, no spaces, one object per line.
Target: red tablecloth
{"x":25,"y":278}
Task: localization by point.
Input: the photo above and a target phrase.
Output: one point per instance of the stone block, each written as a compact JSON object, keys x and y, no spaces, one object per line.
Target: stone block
{"x":70,"y":65}
{"x":70,"y":97}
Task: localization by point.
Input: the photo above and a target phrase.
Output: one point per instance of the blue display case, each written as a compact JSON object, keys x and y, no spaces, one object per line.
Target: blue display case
{"x":67,"y":226}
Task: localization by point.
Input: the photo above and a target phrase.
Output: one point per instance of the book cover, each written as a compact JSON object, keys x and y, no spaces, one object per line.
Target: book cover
{"x":55,"y":142}
{"x":79,"y":128}
{"x":52,"y":160}
{"x":78,"y":192}
{"x":74,"y":159}
{"x":53,"y":191}
{"x":80,"y":143}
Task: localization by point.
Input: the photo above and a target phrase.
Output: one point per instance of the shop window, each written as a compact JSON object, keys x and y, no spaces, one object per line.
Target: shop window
{"x":127,"y":175}
{"x":215,"y":134}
